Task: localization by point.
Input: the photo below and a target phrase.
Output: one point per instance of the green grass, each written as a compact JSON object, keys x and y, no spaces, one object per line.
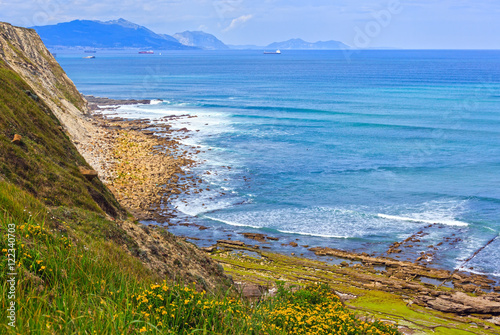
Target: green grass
{"x":46,"y":162}
{"x":64,"y":274}
{"x":74,"y":278}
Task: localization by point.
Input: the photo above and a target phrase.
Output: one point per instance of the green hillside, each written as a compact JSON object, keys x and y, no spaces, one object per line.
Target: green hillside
{"x":45,"y":163}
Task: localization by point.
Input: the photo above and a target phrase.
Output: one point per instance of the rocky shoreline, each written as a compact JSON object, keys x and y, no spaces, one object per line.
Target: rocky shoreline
{"x":141,"y":162}
{"x":146,"y":166}
{"x":99,"y":103}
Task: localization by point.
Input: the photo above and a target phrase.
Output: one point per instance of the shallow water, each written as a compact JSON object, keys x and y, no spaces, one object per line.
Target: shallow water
{"x":347,"y":154}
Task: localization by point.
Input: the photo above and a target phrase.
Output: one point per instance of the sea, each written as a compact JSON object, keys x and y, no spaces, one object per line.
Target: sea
{"x":350,"y":150}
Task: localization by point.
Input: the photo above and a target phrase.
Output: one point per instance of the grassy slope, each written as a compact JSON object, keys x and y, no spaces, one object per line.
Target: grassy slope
{"x":46,"y":163}
{"x":73,"y":273}
{"x":61,"y":221}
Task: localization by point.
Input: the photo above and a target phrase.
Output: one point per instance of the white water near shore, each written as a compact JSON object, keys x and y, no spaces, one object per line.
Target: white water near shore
{"x":352,"y":155}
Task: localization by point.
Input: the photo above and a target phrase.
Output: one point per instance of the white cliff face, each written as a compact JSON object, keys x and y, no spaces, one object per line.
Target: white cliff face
{"x":23,"y":51}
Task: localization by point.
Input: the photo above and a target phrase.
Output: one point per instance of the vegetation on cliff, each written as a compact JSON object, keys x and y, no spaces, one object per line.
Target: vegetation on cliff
{"x":73,"y":279}
{"x":45,"y":163}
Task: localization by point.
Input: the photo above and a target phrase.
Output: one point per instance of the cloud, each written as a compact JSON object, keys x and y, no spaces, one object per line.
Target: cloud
{"x":237,"y":22}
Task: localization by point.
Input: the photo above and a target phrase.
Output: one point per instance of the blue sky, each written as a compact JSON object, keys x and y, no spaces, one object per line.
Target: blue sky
{"x":419,"y":24}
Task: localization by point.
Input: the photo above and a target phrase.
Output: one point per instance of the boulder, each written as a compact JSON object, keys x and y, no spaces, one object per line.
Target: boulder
{"x":88,"y":173}
{"x":209,"y":249}
{"x":17,"y":139}
{"x":251,"y":291}
{"x":462,"y":303}
{"x":255,"y":236}
{"x":231,"y":243}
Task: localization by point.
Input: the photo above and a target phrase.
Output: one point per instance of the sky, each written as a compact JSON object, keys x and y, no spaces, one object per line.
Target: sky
{"x":407,"y":24}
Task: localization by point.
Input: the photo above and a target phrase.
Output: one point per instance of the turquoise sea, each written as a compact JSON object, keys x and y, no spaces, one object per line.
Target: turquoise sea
{"x":353,"y":153}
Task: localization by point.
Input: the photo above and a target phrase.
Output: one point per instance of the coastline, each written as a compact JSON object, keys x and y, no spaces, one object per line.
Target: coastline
{"x":145,"y":164}
{"x":139,"y":163}
{"x":129,"y":156}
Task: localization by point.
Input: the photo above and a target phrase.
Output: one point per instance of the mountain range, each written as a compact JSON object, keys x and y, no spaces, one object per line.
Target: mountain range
{"x":110,"y":34}
{"x":121,"y":34}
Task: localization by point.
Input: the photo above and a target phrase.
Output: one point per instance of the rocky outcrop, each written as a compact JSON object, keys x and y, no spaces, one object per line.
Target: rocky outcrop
{"x":407,"y":269}
{"x":255,"y":236}
{"x":17,"y":139}
{"x":462,"y":303}
{"x":24,"y":52}
{"x":230,"y":244}
{"x":88,"y":173}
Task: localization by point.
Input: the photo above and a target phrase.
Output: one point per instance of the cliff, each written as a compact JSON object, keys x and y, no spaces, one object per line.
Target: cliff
{"x":41,"y":104}
{"x":24,"y":52}
{"x":46,"y":190}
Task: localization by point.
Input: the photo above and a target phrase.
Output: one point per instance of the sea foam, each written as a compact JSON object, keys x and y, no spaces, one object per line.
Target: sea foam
{"x":435,"y":221}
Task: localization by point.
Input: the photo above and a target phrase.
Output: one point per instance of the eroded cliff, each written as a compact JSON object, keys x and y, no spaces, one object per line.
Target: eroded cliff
{"x":41,"y":105}
{"x":23,"y":51}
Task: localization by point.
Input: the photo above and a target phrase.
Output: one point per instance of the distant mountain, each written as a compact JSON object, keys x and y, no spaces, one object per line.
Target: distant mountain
{"x":299,"y":44}
{"x":119,"y":34}
{"x":201,"y":40}
{"x":110,"y":34}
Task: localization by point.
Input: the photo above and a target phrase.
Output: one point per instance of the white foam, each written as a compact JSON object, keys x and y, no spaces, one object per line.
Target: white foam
{"x":106,"y":107}
{"x":448,"y":222}
{"x":466,"y":269}
{"x":231,"y":223}
{"x":196,"y":205}
{"x":205,"y":124}
{"x":485,"y":261}
{"x":316,"y":221}
{"x":311,"y":234}
{"x":145,"y":111}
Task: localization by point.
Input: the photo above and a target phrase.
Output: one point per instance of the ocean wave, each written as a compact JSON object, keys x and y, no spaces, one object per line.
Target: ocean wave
{"x":312,"y":234}
{"x":483,"y":273}
{"x":196,"y":207}
{"x":231,"y":223}
{"x":447,"y":222}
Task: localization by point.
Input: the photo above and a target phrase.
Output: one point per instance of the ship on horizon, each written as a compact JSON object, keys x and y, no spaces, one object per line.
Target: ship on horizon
{"x":146,"y":52}
{"x":277,"y":52}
